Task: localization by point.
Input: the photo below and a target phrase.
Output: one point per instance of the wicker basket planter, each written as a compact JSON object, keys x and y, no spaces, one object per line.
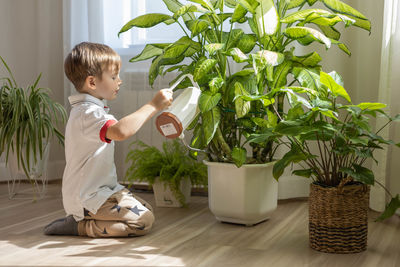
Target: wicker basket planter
{"x":338,"y":218}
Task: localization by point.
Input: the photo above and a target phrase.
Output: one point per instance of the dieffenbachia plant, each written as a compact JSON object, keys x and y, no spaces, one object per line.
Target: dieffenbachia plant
{"x":243,"y":107}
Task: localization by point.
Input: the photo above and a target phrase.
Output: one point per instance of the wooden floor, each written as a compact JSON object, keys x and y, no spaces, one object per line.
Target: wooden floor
{"x":181,"y":237}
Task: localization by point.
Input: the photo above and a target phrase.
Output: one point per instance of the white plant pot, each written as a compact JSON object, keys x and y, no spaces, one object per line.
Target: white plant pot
{"x":38,"y":174}
{"x":164,"y":196}
{"x":246,"y":195}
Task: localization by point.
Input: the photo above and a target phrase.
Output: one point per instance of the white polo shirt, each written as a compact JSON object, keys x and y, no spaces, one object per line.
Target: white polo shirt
{"x":90,"y":176}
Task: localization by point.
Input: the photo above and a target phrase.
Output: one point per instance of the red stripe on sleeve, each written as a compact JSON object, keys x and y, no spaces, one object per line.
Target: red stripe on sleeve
{"x":103,"y":130}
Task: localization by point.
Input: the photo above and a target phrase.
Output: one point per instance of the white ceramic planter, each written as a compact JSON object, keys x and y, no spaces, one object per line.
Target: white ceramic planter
{"x":246,"y":195}
{"x":164,"y":196}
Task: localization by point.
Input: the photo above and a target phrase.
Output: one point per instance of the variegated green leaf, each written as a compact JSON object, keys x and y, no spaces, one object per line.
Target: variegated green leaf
{"x":216,"y":84}
{"x":309,"y":60}
{"x":280,"y":74}
{"x":247,"y":42}
{"x":250,"y":5}
{"x":184,"y":10}
{"x":211,"y":120}
{"x":239,"y":13}
{"x":230,"y":3}
{"x":207,"y":101}
{"x":269,"y":57}
{"x":238,"y":55}
{"x":304,"y":35}
{"x":242,"y":107}
{"x":204,"y":3}
{"x":234,"y":37}
{"x":145,"y":21}
{"x":204,"y":68}
{"x":340,"y":7}
{"x":174,"y":6}
{"x":239,"y":156}
{"x":303,"y":15}
{"x":212,"y":48}
{"x":295,"y":3}
{"x":342,"y":46}
{"x":175,"y":50}
{"x":307,"y":78}
{"x":149,"y":51}
{"x":330,"y":32}
{"x":267,"y":18}
{"x":197,"y":26}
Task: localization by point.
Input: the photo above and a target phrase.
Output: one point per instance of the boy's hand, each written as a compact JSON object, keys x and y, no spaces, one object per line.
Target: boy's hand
{"x":162,"y":99}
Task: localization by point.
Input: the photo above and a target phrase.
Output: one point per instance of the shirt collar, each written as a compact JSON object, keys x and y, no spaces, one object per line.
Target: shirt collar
{"x":84,"y":98}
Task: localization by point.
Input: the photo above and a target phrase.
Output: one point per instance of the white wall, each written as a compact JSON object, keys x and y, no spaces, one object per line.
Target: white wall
{"x":31,"y":43}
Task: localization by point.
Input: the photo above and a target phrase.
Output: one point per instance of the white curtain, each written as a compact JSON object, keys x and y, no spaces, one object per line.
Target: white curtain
{"x":387,"y":170}
{"x":82,"y":21}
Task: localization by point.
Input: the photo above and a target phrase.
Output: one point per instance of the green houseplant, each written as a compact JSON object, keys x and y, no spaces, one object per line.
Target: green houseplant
{"x":171,"y":166}
{"x":332,"y":142}
{"x":241,"y":108}
{"x":237,"y":106}
{"x":28,"y":119}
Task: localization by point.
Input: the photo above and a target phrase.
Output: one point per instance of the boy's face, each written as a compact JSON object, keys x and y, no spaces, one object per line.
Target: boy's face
{"x":107,"y":88}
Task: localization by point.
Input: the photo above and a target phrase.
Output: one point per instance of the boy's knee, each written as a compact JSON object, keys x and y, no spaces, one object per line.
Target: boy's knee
{"x":144,"y":223}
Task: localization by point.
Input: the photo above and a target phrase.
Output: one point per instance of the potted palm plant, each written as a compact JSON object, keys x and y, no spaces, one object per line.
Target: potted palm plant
{"x":170,"y":172}
{"x":239,"y":110}
{"x":28,"y":119}
{"x":332,"y":142}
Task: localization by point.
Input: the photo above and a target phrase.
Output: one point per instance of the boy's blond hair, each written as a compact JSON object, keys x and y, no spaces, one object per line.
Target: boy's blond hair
{"x":89,"y":59}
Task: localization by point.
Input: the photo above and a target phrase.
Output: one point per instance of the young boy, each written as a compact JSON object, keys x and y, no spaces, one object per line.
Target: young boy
{"x":95,"y":203}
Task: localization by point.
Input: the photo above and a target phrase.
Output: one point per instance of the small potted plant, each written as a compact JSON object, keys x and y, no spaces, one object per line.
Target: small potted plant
{"x":332,"y":141}
{"x":170,"y":171}
{"x":239,"y":110}
{"x":28,"y":119}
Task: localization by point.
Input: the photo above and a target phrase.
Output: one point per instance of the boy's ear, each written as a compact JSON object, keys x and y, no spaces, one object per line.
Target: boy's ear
{"x":90,"y":82}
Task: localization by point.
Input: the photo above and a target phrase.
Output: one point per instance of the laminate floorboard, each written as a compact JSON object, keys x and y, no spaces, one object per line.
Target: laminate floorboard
{"x":182,"y":237}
